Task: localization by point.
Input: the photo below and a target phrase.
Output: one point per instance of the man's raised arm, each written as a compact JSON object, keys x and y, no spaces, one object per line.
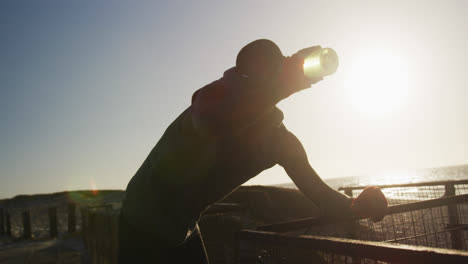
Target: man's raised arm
{"x":236,"y":101}
{"x":293,"y":159}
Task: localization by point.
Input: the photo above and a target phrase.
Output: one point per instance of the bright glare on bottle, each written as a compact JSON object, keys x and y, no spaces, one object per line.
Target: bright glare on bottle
{"x":321,"y":63}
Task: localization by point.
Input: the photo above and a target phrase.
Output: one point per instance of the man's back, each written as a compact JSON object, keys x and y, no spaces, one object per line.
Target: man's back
{"x":157,"y":192}
{"x":187,"y":172}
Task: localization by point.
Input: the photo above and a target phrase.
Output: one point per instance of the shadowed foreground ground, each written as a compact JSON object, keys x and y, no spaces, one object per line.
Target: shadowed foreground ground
{"x":67,"y":251}
{"x":264,"y":204}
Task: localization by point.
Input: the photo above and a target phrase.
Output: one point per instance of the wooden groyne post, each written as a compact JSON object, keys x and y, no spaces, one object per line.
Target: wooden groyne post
{"x":71,"y":218}
{"x":26,"y":224}
{"x":2,"y":223}
{"x":8,"y":223}
{"x":53,"y":221}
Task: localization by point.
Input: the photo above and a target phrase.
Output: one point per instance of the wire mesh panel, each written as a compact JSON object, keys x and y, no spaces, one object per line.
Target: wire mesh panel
{"x":461,"y":189}
{"x":427,"y":227}
{"x":441,"y":223}
{"x":411,"y":192}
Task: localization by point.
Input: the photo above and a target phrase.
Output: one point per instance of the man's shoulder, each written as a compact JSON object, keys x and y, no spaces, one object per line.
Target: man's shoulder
{"x":209,"y":93}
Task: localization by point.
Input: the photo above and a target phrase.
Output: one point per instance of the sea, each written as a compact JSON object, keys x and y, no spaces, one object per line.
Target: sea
{"x":401,"y":176}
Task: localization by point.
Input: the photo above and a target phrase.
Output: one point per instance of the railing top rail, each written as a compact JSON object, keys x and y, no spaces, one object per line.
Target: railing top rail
{"x":417,"y":184}
{"x":400,"y":208}
{"x":349,"y":247}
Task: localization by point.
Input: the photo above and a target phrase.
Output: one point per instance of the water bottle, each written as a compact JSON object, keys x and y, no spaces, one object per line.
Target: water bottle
{"x":320,"y":63}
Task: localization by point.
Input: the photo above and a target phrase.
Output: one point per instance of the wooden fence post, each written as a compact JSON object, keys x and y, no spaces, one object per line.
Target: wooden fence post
{"x":84,"y":226}
{"x":53,"y":221}
{"x":71,"y":218}
{"x":348,"y":192}
{"x":115,"y":237}
{"x":2,"y":224}
{"x":454,"y":220}
{"x":8,"y":223}
{"x":26,"y":224}
{"x":93,"y":235}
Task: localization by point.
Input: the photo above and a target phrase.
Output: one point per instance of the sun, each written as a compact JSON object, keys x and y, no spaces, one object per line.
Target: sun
{"x":377,"y":83}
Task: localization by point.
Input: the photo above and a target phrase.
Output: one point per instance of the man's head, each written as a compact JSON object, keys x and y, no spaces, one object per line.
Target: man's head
{"x":260,"y":60}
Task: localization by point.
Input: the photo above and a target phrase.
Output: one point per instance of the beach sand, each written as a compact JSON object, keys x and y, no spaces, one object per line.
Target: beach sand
{"x":68,"y":250}
{"x":263,"y":204}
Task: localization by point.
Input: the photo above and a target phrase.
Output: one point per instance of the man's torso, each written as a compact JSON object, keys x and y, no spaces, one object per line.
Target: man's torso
{"x":185,"y":173}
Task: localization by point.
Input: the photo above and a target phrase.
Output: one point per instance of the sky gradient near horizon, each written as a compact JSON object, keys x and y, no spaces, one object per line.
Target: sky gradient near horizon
{"x":88,"y":87}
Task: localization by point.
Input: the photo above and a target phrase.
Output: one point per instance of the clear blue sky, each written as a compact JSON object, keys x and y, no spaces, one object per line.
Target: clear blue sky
{"x":88,"y":87}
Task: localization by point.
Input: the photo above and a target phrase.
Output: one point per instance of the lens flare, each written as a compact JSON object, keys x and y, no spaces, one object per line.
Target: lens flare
{"x":320,"y":63}
{"x":311,"y":62}
{"x":94,"y":188}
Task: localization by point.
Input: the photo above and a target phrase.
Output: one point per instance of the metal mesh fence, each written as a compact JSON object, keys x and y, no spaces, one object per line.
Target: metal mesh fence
{"x":413,"y":219}
{"x":432,"y":227}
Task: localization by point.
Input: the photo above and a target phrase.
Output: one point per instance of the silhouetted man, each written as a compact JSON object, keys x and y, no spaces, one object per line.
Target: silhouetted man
{"x":231,"y":132}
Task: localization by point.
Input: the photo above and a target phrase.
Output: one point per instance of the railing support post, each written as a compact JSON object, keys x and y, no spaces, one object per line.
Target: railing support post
{"x":53,"y":221}
{"x":348,"y":192}
{"x":454,"y":219}
{"x":26,"y":225}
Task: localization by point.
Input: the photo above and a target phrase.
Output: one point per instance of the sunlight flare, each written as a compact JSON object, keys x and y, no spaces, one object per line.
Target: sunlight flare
{"x":378,"y":82}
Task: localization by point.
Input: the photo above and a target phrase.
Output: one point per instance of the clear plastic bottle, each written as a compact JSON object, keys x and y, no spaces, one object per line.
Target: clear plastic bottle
{"x":320,"y":63}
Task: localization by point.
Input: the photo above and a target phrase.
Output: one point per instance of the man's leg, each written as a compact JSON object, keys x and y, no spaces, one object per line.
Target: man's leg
{"x":193,"y":250}
{"x":129,"y":244}
{"x":136,"y":246}
{"x":140,"y":247}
